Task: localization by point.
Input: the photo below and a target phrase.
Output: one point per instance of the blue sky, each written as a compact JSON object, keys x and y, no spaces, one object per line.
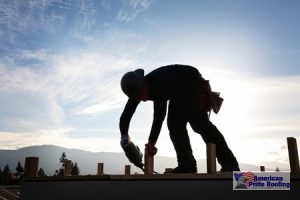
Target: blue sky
{"x":61,"y":63}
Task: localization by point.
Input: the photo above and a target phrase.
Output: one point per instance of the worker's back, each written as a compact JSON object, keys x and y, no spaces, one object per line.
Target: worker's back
{"x":171,"y":80}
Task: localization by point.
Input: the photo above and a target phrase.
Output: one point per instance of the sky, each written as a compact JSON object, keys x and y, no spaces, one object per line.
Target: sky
{"x":61,"y":62}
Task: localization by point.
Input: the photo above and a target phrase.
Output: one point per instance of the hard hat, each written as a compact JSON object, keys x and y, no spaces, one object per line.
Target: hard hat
{"x":132,"y":82}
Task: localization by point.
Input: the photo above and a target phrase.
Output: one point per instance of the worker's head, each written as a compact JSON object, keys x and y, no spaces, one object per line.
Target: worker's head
{"x":133,"y":82}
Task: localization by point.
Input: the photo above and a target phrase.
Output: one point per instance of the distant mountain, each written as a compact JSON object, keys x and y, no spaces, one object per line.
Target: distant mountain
{"x":114,"y":163}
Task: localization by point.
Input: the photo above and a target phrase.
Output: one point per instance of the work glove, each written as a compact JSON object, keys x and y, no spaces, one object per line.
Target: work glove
{"x":125,"y":139}
{"x":152,"y":150}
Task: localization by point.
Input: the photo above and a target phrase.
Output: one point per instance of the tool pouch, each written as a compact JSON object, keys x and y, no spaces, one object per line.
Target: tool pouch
{"x":216,"y":101}
{"x":208,"y":100}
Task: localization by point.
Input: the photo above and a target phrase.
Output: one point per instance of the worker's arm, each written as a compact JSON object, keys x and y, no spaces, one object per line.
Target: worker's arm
{"x":160,"y":109}
{"x":126,"y":116}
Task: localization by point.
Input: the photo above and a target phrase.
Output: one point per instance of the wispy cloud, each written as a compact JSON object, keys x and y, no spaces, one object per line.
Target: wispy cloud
{"x":44,"y":21}
{"x":132,"y":9}
{"x":39,"y":104}
{"x":86,"y":83}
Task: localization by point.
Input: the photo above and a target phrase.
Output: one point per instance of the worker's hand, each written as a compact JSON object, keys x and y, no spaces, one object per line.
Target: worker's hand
{"x":152,"y":150}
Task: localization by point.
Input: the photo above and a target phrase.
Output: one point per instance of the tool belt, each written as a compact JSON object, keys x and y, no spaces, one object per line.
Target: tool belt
{"x":208,"y":99}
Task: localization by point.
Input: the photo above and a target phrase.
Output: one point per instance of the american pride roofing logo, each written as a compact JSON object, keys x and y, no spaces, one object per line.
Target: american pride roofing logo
{"x":261,"y":180}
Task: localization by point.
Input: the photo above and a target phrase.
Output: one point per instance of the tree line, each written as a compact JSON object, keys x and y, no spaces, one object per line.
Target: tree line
{"x":15,"y":177}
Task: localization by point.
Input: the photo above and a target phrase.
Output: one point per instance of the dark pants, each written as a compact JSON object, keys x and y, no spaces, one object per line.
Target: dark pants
{"x":186,"y":109}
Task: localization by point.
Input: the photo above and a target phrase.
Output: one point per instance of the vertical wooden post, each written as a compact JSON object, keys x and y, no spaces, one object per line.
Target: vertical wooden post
{"x":127,"y":169}
{"x":211,"y":158}
{"x":262,"y":168}
{"x":293,"y":154}
{"x":100,"y":169}
{"x":68,"y":168}
{"x":31,"y":167}
{"x":149,"y":163}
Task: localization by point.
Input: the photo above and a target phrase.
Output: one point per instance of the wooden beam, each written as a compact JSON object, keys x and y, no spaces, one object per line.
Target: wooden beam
{"x":211,"y":158}
{"x":127,"y":169}
{"x":100,"y":169}
{"x":149,"y":163}
{"x":293,"y":154}
{"x":68,"y":168}
{"x":31,"y":167}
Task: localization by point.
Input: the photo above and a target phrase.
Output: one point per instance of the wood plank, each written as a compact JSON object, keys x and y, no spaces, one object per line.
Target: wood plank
{"x":149,"y":163}
{"x":31,"y":166}
{"x":100,"y":169}
{"x":293,"y":154}
{"x":211,"y":158}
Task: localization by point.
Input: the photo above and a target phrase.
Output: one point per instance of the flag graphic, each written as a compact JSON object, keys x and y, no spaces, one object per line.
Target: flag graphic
{"x":250,"y":177}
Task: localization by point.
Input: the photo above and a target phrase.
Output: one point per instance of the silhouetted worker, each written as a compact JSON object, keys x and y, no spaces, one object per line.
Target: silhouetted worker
{"x":181,"y":86}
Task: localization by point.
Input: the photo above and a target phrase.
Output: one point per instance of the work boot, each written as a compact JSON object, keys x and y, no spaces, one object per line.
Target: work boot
{"x":181,"y":169}
{"x":230,"y":168}
{"x":227,"y":160}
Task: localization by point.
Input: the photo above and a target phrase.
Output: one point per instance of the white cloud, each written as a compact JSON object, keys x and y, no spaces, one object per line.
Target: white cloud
{"x":100,"y":107}
{"x":90,"y":77}
{"x":41,"y":55}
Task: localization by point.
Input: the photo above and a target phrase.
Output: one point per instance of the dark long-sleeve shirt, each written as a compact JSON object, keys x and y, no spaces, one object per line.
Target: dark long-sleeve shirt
{"x":165,"y":83}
